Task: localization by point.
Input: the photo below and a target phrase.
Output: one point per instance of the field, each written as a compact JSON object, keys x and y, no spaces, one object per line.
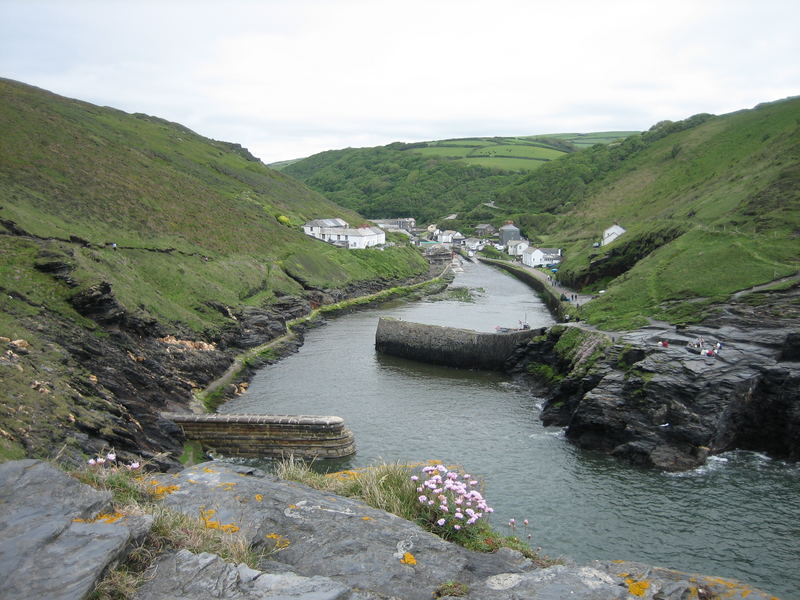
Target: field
{"x":515,"y":153}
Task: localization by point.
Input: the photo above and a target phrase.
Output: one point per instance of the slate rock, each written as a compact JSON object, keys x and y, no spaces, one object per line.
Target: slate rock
{"x":51,"y":545}
{"x":374,"y":554}
{"x":187,"y":576}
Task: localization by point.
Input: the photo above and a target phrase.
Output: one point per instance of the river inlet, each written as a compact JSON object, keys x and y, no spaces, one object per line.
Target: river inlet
{"x":738,"y":516}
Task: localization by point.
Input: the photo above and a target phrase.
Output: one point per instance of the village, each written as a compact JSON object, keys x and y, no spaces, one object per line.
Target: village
{"x":507,"y":238}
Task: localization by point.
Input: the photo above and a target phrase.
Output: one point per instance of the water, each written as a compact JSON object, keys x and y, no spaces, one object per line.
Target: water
{"x":738,"y":517}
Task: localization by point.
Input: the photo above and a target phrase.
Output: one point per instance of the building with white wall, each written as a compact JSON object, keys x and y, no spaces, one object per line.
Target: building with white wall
{"x":612,"y":233}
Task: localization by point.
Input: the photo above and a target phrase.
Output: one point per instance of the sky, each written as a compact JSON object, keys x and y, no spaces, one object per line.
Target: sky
{"x":287,"y":79}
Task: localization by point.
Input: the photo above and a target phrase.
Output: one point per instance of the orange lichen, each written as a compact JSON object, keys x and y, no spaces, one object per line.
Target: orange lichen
{"x":280,"y":541}
{"x":408,"y":559}
{"x":104,"y":517}
{"x":162,"y":490}
{"x":205,"y":516}
{"x":637,"y":588}
{"x":259,"y":498}
{"x":366,"y":518}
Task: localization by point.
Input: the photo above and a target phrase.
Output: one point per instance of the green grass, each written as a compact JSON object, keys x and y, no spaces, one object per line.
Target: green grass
{"x":388,"y":487}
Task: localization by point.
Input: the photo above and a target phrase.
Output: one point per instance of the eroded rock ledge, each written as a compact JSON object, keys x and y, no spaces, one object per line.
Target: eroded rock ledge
{"x":330,"y":548}
{"x":664,"y":406}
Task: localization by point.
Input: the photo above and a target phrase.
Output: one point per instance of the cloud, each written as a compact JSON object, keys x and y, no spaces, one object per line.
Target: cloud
{"x":289,"y":79}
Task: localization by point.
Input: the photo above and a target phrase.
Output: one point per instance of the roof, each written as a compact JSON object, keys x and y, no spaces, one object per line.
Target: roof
{"x":517,"y":242}
{"x":326,"y":223}
{"x":509,"y":226}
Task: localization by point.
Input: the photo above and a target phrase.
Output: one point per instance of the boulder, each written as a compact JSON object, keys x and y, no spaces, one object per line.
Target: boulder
{"x":53,"y":544}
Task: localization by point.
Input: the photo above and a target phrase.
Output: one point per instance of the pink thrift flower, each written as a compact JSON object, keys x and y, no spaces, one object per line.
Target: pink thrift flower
{"x":440,"y":522}
{"x":414,"y":478}
{"x":525,"y":522}
{"x":111,"y":456}
{"x":458,"y":515}
{"x":456,"y":527}
{"x":92,"y":461}
{"x":100,"y":461}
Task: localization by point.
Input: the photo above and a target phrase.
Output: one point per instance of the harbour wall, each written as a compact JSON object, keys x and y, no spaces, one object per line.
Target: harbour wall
{"x":255,"y":436}
{"x":450,"y":346}
{"x":551,"y":299}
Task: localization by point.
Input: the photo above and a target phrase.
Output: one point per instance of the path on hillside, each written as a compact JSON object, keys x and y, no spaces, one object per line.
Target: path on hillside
{"x":551,"y":281}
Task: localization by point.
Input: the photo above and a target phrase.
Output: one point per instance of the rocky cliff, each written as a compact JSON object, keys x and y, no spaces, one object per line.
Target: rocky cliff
{"x":667,"y":405}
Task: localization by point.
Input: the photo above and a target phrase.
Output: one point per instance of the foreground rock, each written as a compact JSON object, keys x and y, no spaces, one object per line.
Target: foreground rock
{"x":377,"y":555}
{"x":58,"y":537}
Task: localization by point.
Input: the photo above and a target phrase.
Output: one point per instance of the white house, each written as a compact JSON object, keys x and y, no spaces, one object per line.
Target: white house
{"x":448,"y":236}
{"x":314,"y":228}
{"x":404,"y":223}
{"x":473,"y":244}
{"x":339,"y":233}
{"x":516,"y":247}
{"x":539,"y":257}
{"x":612,"y":233}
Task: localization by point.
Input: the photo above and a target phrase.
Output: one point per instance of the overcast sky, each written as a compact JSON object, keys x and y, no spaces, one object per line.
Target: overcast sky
{"x":290,"y":78}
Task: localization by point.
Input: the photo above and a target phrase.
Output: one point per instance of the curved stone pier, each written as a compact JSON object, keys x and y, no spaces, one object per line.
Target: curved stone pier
{"x":255,"y":436}
{"x":450,"y":346}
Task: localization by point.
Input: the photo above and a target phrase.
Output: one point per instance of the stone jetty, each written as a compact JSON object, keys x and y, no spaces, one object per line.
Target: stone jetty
{"x":255,"y":436}
{"x":449,"y":346}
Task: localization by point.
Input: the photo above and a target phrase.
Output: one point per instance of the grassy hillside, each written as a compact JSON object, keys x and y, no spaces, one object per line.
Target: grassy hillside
{"x":711,"y":206}
{"x":208,"y":247}
{"x":428,"y":180}
{"x":194,"y":219}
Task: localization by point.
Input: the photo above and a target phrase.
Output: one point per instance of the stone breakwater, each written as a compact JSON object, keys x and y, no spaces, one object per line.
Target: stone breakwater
{"x":449,"y":346}
{"x":58,"y":537}
{"x":268,"y":435}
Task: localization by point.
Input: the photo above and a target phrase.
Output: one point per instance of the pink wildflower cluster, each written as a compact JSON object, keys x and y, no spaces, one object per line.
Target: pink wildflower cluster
{"x":110,"y":459}
{"x":452,"y":497}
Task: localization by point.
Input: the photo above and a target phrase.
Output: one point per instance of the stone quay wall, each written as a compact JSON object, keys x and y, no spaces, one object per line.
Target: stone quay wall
{"x":255,"y":436}
{"x":450,"y":346}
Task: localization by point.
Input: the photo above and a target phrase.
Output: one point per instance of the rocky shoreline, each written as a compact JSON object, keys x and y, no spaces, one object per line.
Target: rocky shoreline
{"x":113,"y":381}
{"x":666,"y":407}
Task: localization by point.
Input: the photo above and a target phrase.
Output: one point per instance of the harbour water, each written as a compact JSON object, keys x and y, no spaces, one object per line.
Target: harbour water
{"x":738,"y":516}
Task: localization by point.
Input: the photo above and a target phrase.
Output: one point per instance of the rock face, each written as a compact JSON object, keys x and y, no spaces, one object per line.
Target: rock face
{"x":52,"y":545}
{"x":669,"y":408}
{"x":56,"y":543}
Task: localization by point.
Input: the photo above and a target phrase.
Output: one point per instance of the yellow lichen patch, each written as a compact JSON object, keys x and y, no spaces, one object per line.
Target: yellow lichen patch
{"x":162,"y":490}
{"x":292,"y":506}
{"x":227,"y":485}
{"x":259,"y":498}
{"x":104,"y":517}
{"x":208,"y":470}
{"x":191,"y":481}
{"x":280,"y":541}
{"x":408,"y":559}
{"x":366,"y":518}
{"x":637,"y":588}
{"x":206,"y":517}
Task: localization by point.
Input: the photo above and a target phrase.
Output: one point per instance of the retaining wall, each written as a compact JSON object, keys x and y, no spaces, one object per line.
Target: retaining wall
{"x":552,"y":300}
{"x":450,"y":346}
{"x":255,"y":436}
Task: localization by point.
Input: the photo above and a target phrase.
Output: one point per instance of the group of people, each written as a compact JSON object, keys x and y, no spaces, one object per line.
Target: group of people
{"x":699,"y":345}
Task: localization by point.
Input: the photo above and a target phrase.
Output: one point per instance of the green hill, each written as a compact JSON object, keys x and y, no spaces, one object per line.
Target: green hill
{"x":427,"y":180}
{"x":70,"y":169}
{"x":205,"y":237}
{"x":711,"y":206}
